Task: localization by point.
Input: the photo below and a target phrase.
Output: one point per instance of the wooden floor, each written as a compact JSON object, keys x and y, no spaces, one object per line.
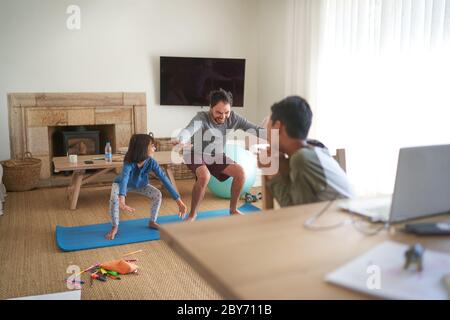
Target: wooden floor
{"x":31,"y":263}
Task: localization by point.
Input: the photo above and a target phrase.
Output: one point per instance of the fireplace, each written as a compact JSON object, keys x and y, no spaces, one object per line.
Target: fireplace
{"x":35,"y":119}
{"x":81,"y":142}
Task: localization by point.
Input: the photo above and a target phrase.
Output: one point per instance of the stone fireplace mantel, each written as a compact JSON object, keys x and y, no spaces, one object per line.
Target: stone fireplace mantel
{"x":32,"y":114}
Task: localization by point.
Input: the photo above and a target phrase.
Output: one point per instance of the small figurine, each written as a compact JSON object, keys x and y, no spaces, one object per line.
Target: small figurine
{"x":252,"y":198}
{"x":414,"y":255}
{"x":446,"y":281}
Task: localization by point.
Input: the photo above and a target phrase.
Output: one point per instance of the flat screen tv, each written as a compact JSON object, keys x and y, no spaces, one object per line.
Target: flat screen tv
{"x":188,"y":81}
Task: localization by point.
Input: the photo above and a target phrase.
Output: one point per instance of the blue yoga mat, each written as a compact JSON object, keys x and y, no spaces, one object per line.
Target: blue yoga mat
{"x":130,"y":231}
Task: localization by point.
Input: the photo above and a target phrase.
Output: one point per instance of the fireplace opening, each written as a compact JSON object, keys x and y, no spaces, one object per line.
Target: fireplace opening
{"x":80,"y":140}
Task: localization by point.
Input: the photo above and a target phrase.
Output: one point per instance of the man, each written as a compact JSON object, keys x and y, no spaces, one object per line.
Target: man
{"x":308,"y":173}
{"x":207,"y":157}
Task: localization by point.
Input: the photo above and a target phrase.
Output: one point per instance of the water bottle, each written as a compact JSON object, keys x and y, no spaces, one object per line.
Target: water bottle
{"x":108,"y":152}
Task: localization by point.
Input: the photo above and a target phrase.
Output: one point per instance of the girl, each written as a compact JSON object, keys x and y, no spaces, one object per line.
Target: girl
{"x":137,"y":164}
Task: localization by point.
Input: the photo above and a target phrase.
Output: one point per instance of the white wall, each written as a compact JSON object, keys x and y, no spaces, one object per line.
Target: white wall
{"x":118,"y":49}
{"x":272,"y":53}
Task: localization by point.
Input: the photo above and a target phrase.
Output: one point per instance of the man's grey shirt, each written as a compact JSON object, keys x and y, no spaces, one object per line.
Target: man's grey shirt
{"x":202,"y":131}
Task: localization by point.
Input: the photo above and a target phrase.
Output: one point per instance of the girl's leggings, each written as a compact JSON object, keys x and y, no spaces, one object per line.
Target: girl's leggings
{"x":149,"y":191}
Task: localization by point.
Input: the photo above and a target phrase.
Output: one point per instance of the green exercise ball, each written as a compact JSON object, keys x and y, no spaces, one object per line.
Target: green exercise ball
{"x":246,"y":160}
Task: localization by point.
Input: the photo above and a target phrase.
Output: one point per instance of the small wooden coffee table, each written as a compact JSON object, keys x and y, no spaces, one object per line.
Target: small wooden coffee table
{"x":79,"y":176}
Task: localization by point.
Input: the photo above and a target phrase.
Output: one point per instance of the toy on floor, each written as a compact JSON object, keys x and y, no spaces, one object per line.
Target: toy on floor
{"x":110,"y":269}
{"x":120,"y":266}
{"x":252,"y":197}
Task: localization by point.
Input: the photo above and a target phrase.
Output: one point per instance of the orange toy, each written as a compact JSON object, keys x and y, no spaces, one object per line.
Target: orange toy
{"x":121,"y":266}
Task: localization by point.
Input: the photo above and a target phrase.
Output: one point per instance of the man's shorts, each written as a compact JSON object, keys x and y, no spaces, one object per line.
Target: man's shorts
{"x":216,"y":168}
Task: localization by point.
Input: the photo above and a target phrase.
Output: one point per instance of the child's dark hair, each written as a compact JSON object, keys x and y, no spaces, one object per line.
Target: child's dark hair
{"x":217,"y":96}
{"x":294,"y":112}
{"x":138,"y":147}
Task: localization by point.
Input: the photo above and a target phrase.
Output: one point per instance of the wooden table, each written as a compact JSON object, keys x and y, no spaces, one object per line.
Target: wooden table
{"x":79,"y":176}
{"x":272,"y":256}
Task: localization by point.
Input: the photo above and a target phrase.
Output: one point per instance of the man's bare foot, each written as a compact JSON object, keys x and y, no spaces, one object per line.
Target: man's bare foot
{"x":112,"y":234}
{"x":153,"y":225}
{"x":236,"y":212}
{"x":191,"y":218}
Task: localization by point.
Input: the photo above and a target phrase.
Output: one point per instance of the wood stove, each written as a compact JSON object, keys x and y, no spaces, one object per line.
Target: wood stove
{"x":81,"y":142}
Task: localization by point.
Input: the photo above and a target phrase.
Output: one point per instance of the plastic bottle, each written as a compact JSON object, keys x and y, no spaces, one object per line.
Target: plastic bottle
{"x":108,"y":152}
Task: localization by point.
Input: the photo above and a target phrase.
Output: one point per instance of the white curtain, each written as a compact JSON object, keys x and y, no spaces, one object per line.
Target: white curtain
{"x":378,"y":79}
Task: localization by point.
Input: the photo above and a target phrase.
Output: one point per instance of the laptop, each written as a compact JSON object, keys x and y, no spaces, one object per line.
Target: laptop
{"x":422,"y":187}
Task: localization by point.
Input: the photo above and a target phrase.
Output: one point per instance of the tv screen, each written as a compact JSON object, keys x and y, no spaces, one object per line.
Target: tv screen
{"x":188,"y":81}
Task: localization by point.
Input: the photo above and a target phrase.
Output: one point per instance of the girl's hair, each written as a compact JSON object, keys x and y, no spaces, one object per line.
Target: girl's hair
{"x":138,"y":147}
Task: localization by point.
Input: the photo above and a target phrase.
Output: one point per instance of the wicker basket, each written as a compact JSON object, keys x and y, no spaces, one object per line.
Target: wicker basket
{"x":23,"y":174}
